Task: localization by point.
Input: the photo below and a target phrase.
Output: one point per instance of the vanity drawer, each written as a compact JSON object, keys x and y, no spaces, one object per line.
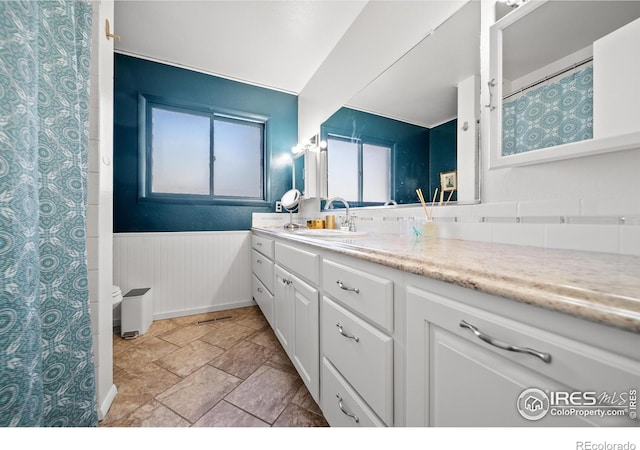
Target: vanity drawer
{"x":263,"y":298}
{"x":370,"y":295}
{"x":263,"y":245}
{"x":570,"y":363}
{"x":263,"y":268}
{"x":362,"y":354}
{"x":339,"y":400}
{"x":305,"y":264}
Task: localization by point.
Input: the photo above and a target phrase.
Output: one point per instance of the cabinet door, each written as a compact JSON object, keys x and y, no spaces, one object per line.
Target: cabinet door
{"x":306,"y":346}
{"x":283,"y":309}
{"x":471,"y":386}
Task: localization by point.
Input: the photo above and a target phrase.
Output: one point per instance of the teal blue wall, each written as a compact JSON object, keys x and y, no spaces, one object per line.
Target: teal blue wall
{"x":135,"y":76}
{"x":411,"y":151}
{"x":443,"y":155}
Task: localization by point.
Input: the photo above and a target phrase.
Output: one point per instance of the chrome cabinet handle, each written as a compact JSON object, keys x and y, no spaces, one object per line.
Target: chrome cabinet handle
{"x":259,"y":244}
{"x":344,"y":411}
{"x":546,"y":357}
{"x":259,"y":261}
{"x":259,"y":290}
{"x":285,"y":281}
{"x":348,"y":336}
{"x":345,"y":288}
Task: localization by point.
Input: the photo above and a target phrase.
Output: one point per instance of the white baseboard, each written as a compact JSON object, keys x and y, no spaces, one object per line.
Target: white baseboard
{"x":201,"y":310}
{"x":103,"y":409}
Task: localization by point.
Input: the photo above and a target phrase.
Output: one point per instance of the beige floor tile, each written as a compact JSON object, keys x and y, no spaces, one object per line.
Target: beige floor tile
{"x":189,"y":358}
{"x":155,"y":378}
{"x":304,"y":399}
{"x":265,"y":393}
{"x":153,"y":414}
{"x":196,"y":394}
{"x":131,"y":395}
{"x":151,"y":394}
{"x":280,"y":360}
{"x":183,"y":335}
{"x":253,"y":321}
{"x":242,"y":359}
{"x":226,"y":334}
{"x":144,"y":353}
{"x":296,"y":416}
{"x":226,"y":415}
{"x":159,"y":327}
{"x":266,"y":338}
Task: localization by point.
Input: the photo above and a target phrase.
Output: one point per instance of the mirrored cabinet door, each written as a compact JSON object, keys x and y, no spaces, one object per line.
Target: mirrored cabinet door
{"x":563,"y":81}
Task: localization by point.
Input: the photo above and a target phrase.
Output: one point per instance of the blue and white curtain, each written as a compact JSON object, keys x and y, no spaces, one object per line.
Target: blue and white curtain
{"x":558,"y":113}
{"x":46,"y":357}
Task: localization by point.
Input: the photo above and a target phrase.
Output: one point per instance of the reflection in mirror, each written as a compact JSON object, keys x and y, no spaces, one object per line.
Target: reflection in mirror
{"x":401,"y":131}
{"x":544,"y":63}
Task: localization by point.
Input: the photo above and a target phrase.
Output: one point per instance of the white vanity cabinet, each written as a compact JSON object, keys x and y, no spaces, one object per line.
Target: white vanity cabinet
{"x":357,"y":346}
{"x":297,"y":311}
{"x":467,"y":366}
{"x":262,"y":279}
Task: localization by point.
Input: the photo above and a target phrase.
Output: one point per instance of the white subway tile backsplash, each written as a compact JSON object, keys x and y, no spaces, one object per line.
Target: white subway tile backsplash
{"x":596,"y":238}
{"x":452,"y":211}
{"x":612,"y":205}
{"x":518,"y":234}
{"x":549,"y":208}
{"x":630,"y":240}
{"x":466,"y":231}
{"x":502,"y":209}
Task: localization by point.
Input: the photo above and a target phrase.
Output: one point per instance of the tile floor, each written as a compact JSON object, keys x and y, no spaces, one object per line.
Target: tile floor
{"x":226,"y":373}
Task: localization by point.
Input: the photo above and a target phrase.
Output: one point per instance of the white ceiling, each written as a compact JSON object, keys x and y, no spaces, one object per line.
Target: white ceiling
{"x":281,"y":45}
{"x":276,"y":44}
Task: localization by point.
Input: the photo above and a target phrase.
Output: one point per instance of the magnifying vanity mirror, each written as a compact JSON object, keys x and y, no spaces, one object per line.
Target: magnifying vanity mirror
{"x":564,"y":81}
{"x":290,"y":201}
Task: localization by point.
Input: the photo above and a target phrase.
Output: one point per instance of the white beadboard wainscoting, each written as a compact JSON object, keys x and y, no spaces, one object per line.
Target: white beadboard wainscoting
{"x":189,"y":273}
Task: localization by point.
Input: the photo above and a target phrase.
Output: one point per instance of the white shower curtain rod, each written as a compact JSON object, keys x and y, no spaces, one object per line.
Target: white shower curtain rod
{"x":548,"y":77}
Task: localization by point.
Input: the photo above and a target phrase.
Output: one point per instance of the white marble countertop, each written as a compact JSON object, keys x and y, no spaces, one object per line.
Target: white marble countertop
{"x":600,"y":287}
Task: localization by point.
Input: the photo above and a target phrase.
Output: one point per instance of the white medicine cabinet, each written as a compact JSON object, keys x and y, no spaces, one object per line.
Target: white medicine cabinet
{"x":546,"y":55}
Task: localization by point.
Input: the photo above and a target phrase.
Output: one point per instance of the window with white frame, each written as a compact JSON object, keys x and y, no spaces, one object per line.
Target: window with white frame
{"x":358,"y":170}
{"x":194,"y":154}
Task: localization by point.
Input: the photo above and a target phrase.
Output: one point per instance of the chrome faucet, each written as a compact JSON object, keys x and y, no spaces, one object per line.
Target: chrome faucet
{"x":348,"y":220}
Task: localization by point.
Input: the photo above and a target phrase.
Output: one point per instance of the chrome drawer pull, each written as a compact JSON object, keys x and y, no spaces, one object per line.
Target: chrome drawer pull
{"x":259,"y":243}
{"x":346,"y":413}
{"x":259,"y":261}
{"x":546,"y":357}
{"x":349,"y":336}
{"x":344,"y":288}
{"x":260,"y":290}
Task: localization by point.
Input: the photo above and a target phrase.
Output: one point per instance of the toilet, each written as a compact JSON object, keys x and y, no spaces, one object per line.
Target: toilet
{"x":116,"y":297}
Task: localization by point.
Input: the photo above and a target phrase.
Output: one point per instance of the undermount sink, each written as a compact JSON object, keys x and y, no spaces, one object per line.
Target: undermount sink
{"x":330,"y":233}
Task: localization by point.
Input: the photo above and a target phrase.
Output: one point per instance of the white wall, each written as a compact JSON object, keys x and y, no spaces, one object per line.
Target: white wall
{"x":100,"y":203}
{"x":189,"y":273}
{"x":581,"y":179}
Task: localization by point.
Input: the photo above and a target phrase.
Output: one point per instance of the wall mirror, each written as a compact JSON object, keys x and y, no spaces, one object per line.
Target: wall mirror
{"x":400,"y":131}
{"x":564,"y":81}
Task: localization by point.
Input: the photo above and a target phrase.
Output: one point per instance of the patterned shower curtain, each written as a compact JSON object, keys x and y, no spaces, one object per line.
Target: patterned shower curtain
{"x":46,"y":357}
{"x":558,"y":113}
